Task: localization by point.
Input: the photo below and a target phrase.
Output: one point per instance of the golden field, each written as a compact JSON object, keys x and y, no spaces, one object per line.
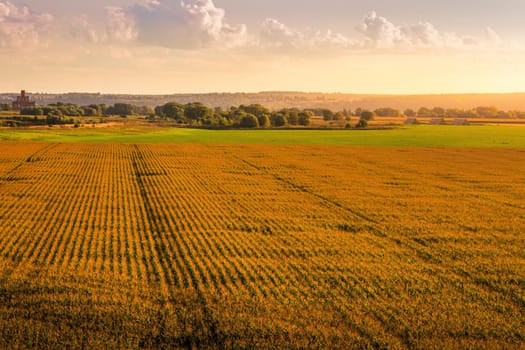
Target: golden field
{"x":108,"y":245}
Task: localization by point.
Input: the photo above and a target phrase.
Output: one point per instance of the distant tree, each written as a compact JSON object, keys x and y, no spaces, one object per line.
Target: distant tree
{"x":262,"y":113}
{"x":171,"y":110}
{"x":143,"y":110}
{"x":278,"y":119}
{"x":358,"y":112}
{"x":327,"y":115}
{"x":338,"y":116}
{"x":362,"y":123}
{"x":292,"y":115}
{"x":503,"y":114}
{"x":249,"y":121}
{"x":54,"y":117}
{"x":31,"y":111}
{"x":304,"y":118}
{"x":387,"y":112}
{"x":196,"y":111}
{"x":367,"y":115}
{"x":425,"y":112}
{"x":120,"y":109}
{"x":460,"y":113}
{"x":438,"y":112}
{"x":264,"y":121}
{"x":487,"y":112}
{"x":89,"y":111}
{"x":255,"y":109}
{"x":409,"y":112}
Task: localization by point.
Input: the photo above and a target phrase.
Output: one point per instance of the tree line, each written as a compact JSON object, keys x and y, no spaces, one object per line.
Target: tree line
{"x":94,"y":110}
{"x":248,"y":116}
{"x":251,"y":116}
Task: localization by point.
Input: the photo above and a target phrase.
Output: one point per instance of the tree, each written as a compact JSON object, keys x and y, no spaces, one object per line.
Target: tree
{"x":439,"y":112}
{"x":425,"y":112}
{"x":362,"y":123}
{"x":487,"y":112}
{"x":338,"y":116}
{"x":32,"y":111}
{"x":278,"y":119}
{"x":196,"y":111}
{"x":249,"y":121}
{"x":262,"y":113}
{"x":327,"y":115}
{"x":264,"y":121}
{"x":387,"y":112}
{"x":89,"y":111}
{"x":120,"y":109}
{"x":409,"y":112}
{"x":292,"y":115}
{"x":304,"y":118}
{"x":255,"y":109}
{"x":367,"y":115}
{"x":5,"y":106}
{"x":172,"y":110}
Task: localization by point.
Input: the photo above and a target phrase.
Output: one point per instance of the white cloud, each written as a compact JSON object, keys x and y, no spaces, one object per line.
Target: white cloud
{"x":492,"y":37}
{"x":277,"y":35}
{"x":81,"y":29}
{"x":182,"y":24}
{"x":19,"y":27}
{"x":120,"y":25}
{"x":197,"y":24}
{"x":380,"y":33}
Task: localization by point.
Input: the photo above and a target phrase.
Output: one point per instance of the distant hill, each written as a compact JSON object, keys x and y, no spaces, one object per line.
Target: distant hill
{"x":276,"y":100}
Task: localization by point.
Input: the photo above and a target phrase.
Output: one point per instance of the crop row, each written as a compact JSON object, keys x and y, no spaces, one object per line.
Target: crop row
{"x":363,"y":239}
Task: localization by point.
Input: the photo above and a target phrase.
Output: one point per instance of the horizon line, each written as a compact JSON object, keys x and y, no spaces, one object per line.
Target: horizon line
{"x":264,"y":92}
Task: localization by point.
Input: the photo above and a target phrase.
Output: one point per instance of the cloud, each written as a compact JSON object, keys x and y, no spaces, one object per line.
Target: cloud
{"x":120,"y":25}
{"x":380,"y":33}
{"x":182,"y":24}
{"x":277,"y":35}
{"x":81,"y":29}
{"x":19,"y":27}
{"x":492,"y":37}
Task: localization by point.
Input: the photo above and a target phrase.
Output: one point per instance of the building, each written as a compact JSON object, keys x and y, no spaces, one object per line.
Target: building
{"x":22,"y":101}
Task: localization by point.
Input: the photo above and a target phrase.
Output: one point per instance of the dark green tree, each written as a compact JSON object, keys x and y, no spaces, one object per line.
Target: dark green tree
{"x":362,"y":123}
{"x":304,"y":118}
{"x":367,"y":115}
{"x":278,"y":119}
{"x":197,"y":111}
{"x":249,"y":121}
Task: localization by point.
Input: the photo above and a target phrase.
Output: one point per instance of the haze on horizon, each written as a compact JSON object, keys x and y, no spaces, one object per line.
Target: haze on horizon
{"x":354,"y":46}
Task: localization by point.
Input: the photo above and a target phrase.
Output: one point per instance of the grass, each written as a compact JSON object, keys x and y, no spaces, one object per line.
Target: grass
{"x":418,"y":135}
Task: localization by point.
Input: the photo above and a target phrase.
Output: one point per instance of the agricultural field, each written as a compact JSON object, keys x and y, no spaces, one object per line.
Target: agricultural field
{"x":236,"y":245}
{"x":408,"y":135}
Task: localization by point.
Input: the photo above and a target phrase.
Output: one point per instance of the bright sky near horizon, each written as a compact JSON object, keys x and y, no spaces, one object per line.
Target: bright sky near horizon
{"x":357,"y":46}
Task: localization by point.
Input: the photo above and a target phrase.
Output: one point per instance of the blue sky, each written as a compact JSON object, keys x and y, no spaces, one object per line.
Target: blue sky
{"x":164,"y":46}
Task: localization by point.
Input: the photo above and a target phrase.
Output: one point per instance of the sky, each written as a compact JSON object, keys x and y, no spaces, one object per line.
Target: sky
{"x":177,"y":46}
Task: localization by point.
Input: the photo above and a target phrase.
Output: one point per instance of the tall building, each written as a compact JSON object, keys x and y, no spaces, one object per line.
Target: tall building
{"x":22,"y":101}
